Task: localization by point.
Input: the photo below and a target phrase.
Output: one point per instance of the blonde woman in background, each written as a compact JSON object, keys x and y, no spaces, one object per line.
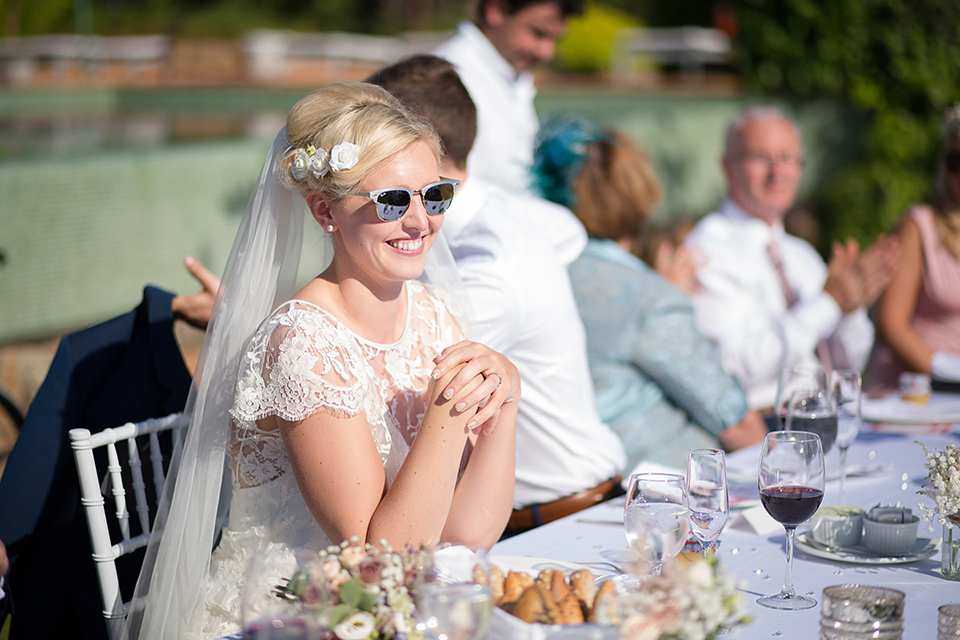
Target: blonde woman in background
{"x":918,"y":316}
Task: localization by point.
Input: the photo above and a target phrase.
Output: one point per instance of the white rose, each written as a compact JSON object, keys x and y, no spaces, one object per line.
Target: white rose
{"x":319,"y":165}
{"x":352,"y":556}
{"x":356,"y":627}
{"x":298,"y":168}
{"x":700,"y":574}
{"x":330,"y":568}
{"x":344,"y":156}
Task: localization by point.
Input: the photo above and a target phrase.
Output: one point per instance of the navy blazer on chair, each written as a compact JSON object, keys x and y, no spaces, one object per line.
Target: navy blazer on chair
{"x":124,"y":370}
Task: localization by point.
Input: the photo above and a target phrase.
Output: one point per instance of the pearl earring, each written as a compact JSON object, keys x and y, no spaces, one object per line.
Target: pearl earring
{"x":330,"y":228}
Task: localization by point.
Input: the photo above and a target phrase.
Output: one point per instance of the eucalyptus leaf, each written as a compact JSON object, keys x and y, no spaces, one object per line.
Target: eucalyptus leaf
{"x":351,"y":592}
{"x":339,"y":613}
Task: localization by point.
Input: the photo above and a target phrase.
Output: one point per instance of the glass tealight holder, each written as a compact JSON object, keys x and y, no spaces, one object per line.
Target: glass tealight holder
{"x":857,"y":612}
{"x":948,"y":622}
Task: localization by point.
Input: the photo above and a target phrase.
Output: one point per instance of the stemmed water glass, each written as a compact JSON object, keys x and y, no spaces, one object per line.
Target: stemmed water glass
{"x":813,"y":410}
{"x":791,"y":488}
{"x":848,"y":393}
{"x":656,"y":517}
{"x":707,"y":495}
{"x":795,"y":378}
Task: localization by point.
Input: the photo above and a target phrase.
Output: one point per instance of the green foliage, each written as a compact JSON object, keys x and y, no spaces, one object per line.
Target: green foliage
{"x":897,"y":62}
{"x":587,"y":45}
{"x":30,"y":17}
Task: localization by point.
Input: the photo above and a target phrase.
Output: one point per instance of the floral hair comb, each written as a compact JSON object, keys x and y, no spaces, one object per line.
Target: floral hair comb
{"x":318,"y":163}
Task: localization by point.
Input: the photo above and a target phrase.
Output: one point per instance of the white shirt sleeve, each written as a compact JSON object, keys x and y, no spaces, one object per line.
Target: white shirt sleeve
{"x":741,"y":306}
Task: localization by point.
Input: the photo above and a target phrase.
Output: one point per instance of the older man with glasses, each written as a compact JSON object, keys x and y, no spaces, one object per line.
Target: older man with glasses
{"x":766,"y":297}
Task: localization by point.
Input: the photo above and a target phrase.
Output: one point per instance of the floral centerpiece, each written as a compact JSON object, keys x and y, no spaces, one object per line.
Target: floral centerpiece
{"x":942,"y":485}
{"x":359,"y":591}
{"x":689,"y":600}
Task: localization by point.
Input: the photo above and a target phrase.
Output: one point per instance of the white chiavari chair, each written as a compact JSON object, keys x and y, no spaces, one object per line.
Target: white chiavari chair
{"x":94,"y":487}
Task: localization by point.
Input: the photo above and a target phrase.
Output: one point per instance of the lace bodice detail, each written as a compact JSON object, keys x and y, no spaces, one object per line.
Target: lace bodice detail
{"x":302,"y":360}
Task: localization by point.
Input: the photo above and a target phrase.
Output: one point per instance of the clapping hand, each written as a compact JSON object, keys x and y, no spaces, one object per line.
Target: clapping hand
{"x":678,"y":265}
{"x":500,"y":384}
{"x":856,"y":279}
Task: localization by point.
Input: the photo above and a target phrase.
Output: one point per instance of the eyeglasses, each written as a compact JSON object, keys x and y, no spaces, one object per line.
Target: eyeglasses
{"x":952,"y":162}
{"x":393,"y":202}
{"x":786,"y":159}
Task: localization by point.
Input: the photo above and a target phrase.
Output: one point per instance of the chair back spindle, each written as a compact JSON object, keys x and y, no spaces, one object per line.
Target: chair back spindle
{"x":92,"y":491}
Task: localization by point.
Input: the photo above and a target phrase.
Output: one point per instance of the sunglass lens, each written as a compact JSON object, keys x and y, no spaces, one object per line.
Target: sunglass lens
{"x":392,"y":204}
{"x":437,"y":198}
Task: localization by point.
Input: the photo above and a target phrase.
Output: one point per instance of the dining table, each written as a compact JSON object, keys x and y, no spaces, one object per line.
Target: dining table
{"x":886,"y":465}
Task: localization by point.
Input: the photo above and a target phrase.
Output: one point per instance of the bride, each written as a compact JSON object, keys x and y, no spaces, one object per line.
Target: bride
{"x":356,"y":409}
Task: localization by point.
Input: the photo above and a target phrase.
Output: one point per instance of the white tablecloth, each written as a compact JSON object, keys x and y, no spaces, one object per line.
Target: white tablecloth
{"x":759,"y":560}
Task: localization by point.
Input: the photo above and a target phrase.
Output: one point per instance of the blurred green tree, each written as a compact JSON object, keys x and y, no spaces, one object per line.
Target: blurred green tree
{"x":897,"y":62}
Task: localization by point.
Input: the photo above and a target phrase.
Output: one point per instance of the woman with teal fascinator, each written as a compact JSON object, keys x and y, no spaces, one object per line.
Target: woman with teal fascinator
{"x":658,"y":381}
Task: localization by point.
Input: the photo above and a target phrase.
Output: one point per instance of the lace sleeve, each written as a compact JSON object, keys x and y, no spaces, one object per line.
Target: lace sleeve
{"x":297,"y":364}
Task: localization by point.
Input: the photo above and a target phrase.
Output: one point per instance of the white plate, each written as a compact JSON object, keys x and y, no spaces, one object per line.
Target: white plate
{"x":924,"y":548}
{"x":533,"y":565}
{"x":942,"y":408}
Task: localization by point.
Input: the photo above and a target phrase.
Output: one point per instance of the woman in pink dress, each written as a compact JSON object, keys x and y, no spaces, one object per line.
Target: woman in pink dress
{"x":918,"y":316}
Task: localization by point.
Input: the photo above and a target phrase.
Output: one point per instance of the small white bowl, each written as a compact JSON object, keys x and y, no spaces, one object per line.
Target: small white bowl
{"x":890,"y":538}
{"x":837,"y":526}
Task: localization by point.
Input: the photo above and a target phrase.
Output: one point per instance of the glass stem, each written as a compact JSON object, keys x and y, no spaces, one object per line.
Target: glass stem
{"x":843,"y":474}
{"x":787,"y":591}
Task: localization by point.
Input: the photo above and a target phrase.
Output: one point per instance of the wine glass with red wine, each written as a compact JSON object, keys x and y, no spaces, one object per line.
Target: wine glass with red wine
{"x":791,"y":489}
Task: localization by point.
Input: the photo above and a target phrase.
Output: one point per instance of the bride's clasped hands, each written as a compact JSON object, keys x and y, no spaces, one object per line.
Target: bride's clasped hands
{"x":499,"y":382}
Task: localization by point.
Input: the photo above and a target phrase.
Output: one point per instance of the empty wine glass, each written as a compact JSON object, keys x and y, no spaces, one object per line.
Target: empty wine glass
{"x":265,"y":614}
{"x":453,"y":600}
{"x":656,"y":517}
{"x":707,"y":495}
{"x":791,"y":488}
{"x":792,"y":379}
{"x":813,"y":410}
{"x":849,"y":395}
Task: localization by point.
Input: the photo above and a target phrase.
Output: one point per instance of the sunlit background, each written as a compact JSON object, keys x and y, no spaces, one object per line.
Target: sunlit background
{"x":131,"y":131}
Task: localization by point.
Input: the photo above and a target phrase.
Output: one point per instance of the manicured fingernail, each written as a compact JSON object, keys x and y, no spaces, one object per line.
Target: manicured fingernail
{"x":472,"y":424}
{"x":460,"y":406}
{"x":435,"y":374}
{"x":448,"y":393}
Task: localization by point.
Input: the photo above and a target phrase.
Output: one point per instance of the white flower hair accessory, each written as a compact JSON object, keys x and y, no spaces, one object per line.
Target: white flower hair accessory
{"x":344,"y":156}
{"x":318,"y":163}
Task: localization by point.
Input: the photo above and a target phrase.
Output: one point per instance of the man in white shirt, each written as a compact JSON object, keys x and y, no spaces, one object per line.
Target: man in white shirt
{"x":763,"y":321}
{"x":506,"y":249}
{"x":495,"y":55}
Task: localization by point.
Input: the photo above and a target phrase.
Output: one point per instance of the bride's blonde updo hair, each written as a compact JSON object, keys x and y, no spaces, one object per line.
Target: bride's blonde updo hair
{"x":351,"y":112}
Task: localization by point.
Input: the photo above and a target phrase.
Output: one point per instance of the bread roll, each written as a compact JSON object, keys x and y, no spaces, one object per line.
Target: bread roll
{"x":583,"y":584}
{"x":555,"y":581}
{"x":536,"y":605}
{"x":604,"y":610}
{"x":514,"y":585}
{"x":496,"y":583}
{"x":570,"y":609}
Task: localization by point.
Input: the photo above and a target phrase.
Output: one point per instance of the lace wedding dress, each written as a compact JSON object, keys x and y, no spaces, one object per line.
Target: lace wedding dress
{"x":300,"y":361}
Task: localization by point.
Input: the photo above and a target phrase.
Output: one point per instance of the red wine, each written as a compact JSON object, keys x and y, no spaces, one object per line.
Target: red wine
{"x":791,"y":505}
{"x":824,"y":426}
